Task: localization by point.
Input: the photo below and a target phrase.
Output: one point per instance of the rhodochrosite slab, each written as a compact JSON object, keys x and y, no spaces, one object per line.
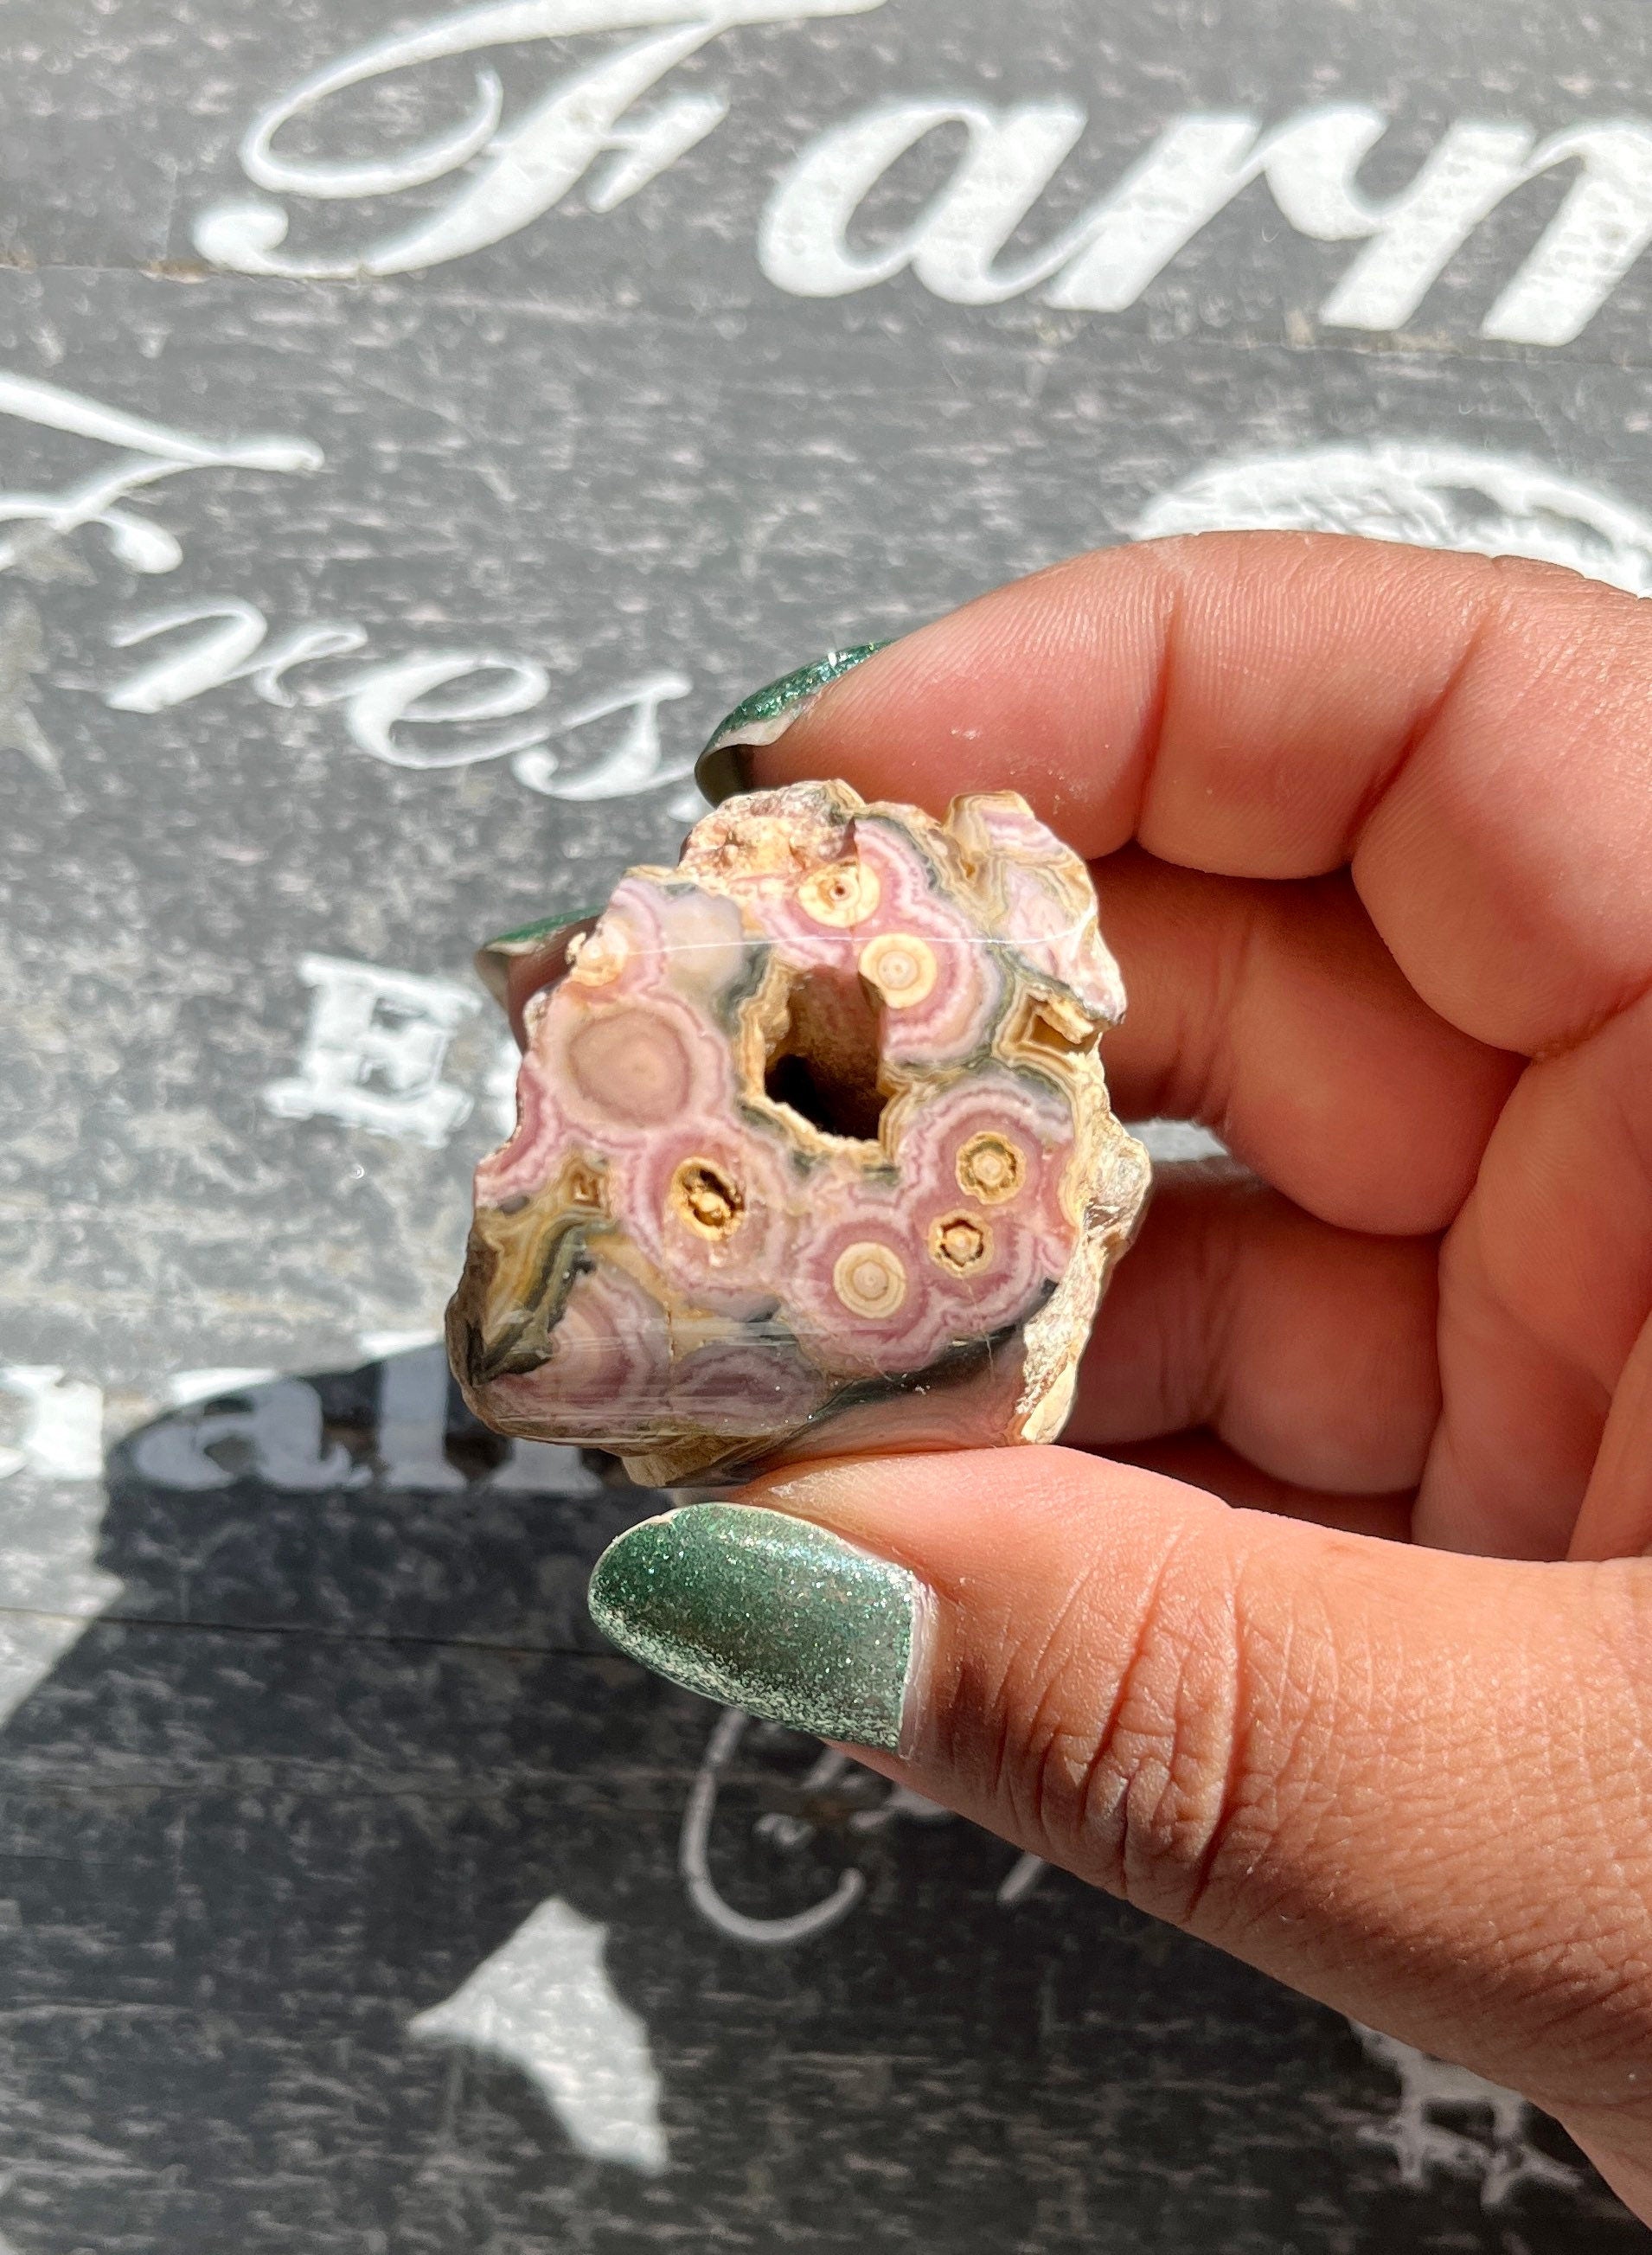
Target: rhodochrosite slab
{"x":813,"y":1149}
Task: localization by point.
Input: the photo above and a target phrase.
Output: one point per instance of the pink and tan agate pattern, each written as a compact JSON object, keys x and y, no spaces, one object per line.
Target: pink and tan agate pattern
{"x":813,"y":1147}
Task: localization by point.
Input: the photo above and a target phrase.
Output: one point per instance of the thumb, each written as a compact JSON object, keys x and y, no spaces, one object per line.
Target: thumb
{"x":1408,"y":1782}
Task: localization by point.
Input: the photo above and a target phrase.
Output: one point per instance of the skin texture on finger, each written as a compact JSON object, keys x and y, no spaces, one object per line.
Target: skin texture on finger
{"x":1273,"y":1013}
{"x":1198,"y":1459}
{"x":1546,"y":1284}
{"x":1616,"y":1518}
{"x":1473,"y":735}
{"x":1408,"y":1783}
{"x":1308,"y":1350}
{"x":1472,"y":738}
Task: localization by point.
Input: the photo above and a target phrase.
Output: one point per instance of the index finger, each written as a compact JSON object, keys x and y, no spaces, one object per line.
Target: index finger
{"x":1469,"y":735}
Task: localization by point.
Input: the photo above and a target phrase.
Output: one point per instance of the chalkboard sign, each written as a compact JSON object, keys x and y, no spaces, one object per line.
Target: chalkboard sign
{"x":415,"y":430}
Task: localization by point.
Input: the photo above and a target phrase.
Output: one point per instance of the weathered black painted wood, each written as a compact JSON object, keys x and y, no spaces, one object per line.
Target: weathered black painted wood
{"x":235,"y":1861}
{"x":303,"y":1731}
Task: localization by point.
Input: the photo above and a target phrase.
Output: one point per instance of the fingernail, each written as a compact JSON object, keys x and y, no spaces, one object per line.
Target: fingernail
{"x":725,"y":766}
{"x":495,"y":957}
{"x":766,"y":1612}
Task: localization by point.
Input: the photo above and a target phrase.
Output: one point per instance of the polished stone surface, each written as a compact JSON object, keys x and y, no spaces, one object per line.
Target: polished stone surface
{"x":813,"y":1151}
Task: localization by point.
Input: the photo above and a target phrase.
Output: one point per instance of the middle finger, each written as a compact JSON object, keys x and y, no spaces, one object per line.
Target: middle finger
{"x":1272,"y":1013}
{"x":1309,"y":1350}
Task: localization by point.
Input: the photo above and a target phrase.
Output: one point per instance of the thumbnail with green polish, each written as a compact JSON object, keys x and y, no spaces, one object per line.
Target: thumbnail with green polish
{"x":777,"y":698}
{"x":766,"y":1612}
{"x":519,"y":941}
{"x":725,"y":767}
{"x":495,"y":957}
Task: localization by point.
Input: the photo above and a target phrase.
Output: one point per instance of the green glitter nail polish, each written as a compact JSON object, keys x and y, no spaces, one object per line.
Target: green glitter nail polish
{"x":725,"y":765}
{"x":766,"y":1612}
{"x":527,"y":935}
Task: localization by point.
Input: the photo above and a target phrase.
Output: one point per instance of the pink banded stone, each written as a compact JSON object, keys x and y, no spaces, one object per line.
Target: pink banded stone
{"x":813,"y":1149}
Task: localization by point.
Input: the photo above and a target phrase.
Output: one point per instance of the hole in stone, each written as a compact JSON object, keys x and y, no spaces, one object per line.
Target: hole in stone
{"x":1042,"y":1033}
{"x":826,"y":1063}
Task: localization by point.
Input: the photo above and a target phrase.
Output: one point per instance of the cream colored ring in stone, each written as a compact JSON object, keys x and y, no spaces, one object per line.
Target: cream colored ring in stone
{"x":868,"y":1278}
{"x":842,"y":894}
{"x":596,"y":958}
{"x":901,"y":966}
{"x":959,"y":1244}
{"x":991,"y":1168}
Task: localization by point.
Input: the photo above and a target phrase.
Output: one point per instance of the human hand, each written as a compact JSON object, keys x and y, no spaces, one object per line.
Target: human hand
{"x":1373,"y":837}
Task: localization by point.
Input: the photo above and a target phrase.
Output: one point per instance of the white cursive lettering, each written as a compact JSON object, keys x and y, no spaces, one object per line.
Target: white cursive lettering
{"x":632,"y":763}
{"x":403,"y":693}
{"x":233,"y":648}
{"x":153,"y":451}
{"x":518,"y":173}
{"x":383,"y":700}
{"x":508,"y":172}
{"x":1103,"y":261}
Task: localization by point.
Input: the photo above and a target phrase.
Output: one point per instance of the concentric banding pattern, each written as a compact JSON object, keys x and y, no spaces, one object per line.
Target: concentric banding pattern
{"x":746,"y":1249}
